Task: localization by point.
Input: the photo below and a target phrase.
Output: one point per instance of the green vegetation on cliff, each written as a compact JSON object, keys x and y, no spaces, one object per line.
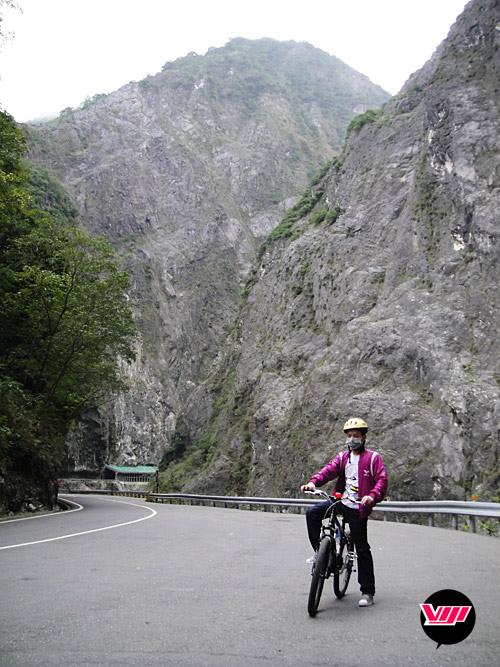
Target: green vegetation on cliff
{"x":244,"y":70}
{"x":63,"y":324}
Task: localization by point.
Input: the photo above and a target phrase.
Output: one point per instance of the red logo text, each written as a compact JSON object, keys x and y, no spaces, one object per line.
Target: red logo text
{"x":444,"y":615}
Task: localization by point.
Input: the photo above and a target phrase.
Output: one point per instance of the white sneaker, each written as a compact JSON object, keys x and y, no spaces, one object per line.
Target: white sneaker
{"x":313,"y":559}
{"x":366,"y":600}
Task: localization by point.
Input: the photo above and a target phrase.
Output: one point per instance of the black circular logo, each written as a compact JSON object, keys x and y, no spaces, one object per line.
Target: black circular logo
{"x":447,"y":617}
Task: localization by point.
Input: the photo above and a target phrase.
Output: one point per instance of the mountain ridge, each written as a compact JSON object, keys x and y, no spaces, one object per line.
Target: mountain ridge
{"x":186,"y":184}
{"x":372,"y":292}
{"x":388,"y":312}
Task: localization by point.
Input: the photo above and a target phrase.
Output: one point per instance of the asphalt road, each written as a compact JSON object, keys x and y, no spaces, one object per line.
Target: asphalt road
{"x":129,"y":583}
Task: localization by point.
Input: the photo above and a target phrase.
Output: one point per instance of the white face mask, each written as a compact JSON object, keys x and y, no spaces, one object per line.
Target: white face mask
{"x":354,"y":443}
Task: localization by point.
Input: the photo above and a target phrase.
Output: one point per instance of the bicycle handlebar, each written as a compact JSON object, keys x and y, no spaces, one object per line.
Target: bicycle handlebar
{"x":333,"y":499}
{"x":319,"y":492}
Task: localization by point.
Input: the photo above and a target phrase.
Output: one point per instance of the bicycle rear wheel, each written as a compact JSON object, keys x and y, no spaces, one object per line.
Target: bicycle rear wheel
{"x":318,"y":576}
{"x":345,"y":560}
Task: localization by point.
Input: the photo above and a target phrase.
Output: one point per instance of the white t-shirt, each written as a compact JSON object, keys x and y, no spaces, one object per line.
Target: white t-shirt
{"x":350,"y":497}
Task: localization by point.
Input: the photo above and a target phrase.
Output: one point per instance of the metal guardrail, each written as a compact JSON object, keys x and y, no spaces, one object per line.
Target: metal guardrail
{"x":106,"y":492}
{"x":455,"y":508}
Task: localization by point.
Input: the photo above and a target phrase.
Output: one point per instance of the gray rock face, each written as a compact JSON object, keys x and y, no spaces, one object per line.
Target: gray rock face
{"x":186,"y":173}
{"x":388,"y":312}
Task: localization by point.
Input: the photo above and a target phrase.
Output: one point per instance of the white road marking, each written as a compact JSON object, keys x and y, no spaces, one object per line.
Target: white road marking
{"x":78,"y":507}
{"x":87,"y":532}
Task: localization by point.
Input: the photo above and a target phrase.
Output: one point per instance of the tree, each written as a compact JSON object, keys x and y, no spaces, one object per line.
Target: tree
{"x":64,"y":326}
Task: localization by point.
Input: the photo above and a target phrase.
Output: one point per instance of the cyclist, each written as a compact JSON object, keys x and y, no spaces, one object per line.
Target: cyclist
{"x":362,"y":480}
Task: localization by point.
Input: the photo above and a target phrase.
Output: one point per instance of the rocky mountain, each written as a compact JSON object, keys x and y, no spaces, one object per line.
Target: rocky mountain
{"x":375,"y":295}
{"x":378,"y":299}
{"x":186,"y":173}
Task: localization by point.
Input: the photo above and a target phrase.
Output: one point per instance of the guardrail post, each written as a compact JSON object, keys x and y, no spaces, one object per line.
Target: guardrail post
{"x":454,"y":521}
{"x":431,"y":520}
{"x":472,"y":524}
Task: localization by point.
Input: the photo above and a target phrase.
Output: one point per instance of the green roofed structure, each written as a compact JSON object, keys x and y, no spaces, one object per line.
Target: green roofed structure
{"x":129,"y":473}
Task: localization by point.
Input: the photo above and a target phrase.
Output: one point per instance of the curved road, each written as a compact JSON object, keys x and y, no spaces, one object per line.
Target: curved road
{"x":129,"y":583}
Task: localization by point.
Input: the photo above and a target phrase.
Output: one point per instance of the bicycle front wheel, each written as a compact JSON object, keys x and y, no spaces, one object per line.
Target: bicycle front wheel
{"x":318,"y":576}
{"x":345,"y":560}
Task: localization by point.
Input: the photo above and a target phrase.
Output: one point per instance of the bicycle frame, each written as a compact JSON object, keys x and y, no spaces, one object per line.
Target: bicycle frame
{"x":333,"y":529}
{"x":335,"y":555}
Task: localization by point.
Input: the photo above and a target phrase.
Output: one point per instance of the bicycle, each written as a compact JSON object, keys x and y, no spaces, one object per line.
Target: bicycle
{"x":335,"y":554}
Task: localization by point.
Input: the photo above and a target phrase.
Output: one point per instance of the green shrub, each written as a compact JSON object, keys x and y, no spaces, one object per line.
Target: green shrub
{"x":363,"y":119}
{"x":318,"y":217}
{"x":333,"y":215}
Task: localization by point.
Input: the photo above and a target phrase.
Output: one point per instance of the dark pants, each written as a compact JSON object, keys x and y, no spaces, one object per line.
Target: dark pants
{"x":359,"y":532}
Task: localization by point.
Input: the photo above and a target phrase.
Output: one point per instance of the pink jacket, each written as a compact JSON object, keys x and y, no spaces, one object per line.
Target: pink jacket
{"x":371,"y":472}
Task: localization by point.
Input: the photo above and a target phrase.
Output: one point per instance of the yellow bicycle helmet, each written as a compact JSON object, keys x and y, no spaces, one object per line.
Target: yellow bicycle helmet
{"x":355,"y":424}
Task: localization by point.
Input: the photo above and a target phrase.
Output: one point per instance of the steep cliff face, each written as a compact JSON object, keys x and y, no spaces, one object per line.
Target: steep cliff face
{"x":382,"y":302}
{"x":186,"y":173}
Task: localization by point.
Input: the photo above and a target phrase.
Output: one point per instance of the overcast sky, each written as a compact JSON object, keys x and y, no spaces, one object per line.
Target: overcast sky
{"x":66,"y":50}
